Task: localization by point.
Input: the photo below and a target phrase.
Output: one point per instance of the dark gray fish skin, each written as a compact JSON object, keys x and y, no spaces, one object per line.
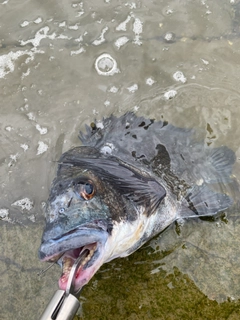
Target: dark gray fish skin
{"x":132,"y":178}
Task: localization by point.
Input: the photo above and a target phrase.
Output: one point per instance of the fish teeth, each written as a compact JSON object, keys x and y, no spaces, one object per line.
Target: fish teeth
{"x":89,"y":256}
{"x":67,"y":265}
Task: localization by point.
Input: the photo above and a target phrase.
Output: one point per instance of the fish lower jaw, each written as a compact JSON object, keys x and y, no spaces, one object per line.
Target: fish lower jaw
{"x":81,"y":274}
{"x":80,"y":280}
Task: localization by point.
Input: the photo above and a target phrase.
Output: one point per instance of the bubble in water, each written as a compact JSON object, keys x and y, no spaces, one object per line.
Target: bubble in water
{"x":170,"y":37}
{"x":107,"y":148}
{"x":106,"y":65}
{"x":169,"y":11}
{"x":150,"y":81}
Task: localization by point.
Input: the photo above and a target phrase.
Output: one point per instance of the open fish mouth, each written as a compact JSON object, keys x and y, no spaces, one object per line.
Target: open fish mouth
{"x":66,"y":250}
{"x":85,"y":270}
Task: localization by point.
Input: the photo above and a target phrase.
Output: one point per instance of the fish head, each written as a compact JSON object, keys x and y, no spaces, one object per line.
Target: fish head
{"x":98,"y":204}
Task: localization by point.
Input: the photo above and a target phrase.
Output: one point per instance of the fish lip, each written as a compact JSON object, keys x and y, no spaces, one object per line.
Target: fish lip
{"x":76,"y":238}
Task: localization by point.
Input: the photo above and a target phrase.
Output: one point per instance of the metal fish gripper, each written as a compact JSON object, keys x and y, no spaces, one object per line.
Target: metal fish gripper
{"x":64,"y":303}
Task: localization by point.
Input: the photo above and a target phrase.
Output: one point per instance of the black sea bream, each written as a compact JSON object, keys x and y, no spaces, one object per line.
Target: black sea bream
{"x":131,"y":179}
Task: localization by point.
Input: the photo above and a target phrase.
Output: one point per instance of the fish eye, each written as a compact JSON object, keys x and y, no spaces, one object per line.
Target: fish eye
{"x":88,"y":188}
{"x":87,"y":191}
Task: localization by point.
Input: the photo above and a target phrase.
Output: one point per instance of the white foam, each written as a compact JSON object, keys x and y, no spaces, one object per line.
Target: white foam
{"x":81,"y":11}
{"x":74,"y":27}
{"x":41,"y":130}
{"x":31,"y":116}
{"x":121,"y":42}
{"x":137,"y":26}
{"x":133,"y":88}
{"x":137,"y":29}
{"x":24,"y":146}
{"x":24,"y":204}
{"x":107,"y":103}
{"x":79,"y":51}
{"x":179,"y":76}
{"x":205,"y":61}
{"x":4,"y":213}
{"x":62,"y":24}
{"x":32,"y":218}
{"x":38,"y":20}
{"x":39,"y":36}
{"x":113,"y":89}
{"x":24,"y":24}
{"x":7,"y":61}
{"x":79,"y":39}
{"x":123,"y":25}
{"x":101,"y":38}
{"x":13,"y":159}
{"x":131,"y":5}
{"x":170,"y":94}
{"x":99,"y":125}
{"x":42,"y":147}
{"x":25,"y":74}
{"x":63,"y":37}
{"x":136,"y":108}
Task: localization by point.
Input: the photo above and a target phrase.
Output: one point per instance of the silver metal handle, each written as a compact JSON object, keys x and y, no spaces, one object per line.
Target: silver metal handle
{"x":61,"y":307}
{"x":64,"y":304}
{"x":54,"y":305}
{"x":69,"y":308}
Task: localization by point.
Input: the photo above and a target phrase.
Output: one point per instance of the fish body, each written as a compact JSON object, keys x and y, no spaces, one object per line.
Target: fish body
{"x":130,"y":180}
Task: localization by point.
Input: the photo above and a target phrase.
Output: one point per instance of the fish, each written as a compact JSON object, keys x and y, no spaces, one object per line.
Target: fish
{"x":131,"y":178}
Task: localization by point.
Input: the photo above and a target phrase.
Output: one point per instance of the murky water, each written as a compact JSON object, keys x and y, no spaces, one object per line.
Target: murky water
{"x":176,"y":60}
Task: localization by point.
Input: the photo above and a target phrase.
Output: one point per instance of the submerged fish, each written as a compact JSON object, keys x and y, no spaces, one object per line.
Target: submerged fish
{"x":132,"y":178}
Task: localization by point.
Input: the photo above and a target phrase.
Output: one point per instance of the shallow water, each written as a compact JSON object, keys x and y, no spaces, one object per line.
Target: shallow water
{"x":176,"y":60}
